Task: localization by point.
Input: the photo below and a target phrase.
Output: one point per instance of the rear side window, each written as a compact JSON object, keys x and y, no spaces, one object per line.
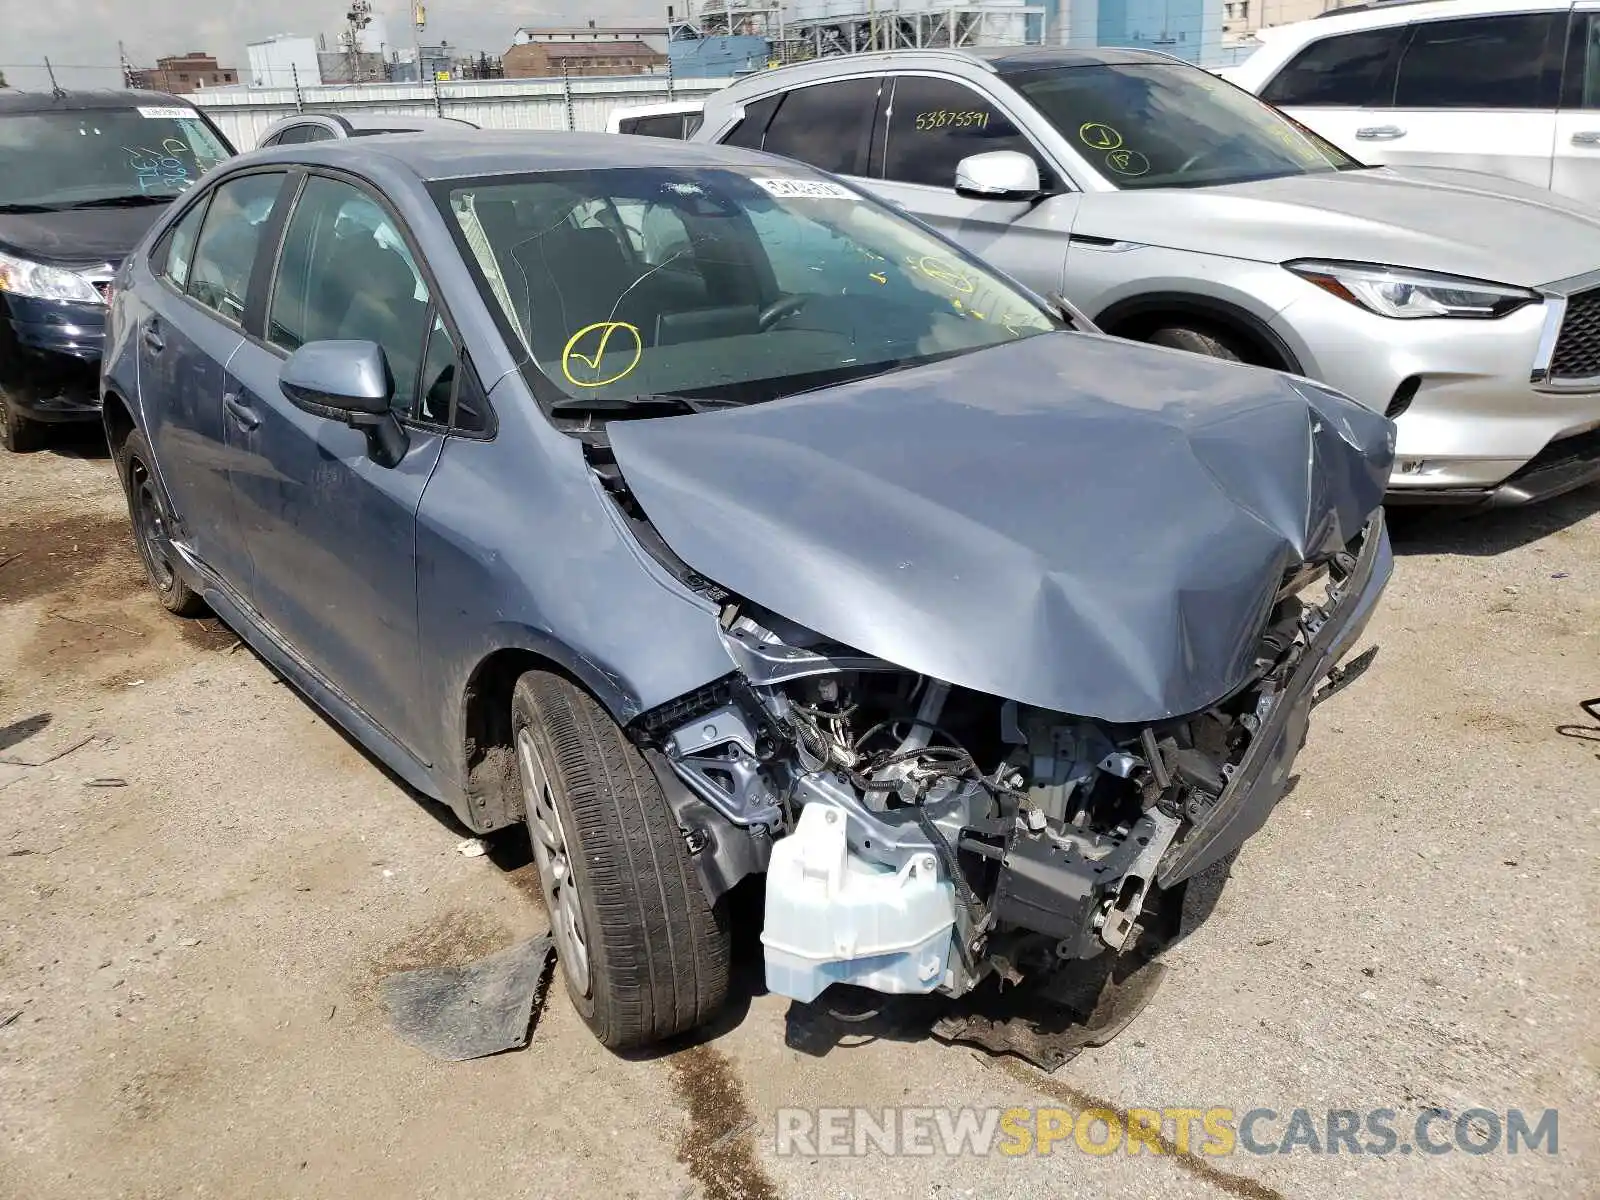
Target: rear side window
{"x":749,"y":132}
{"x":1581,"y":86}
{"x":827,"y":125}
{"x":1482,"y":62}
{"x":935,"y":123}
{"x":225,"y":253}
{"x":1352,"y":70}
{"x":176,"y":252}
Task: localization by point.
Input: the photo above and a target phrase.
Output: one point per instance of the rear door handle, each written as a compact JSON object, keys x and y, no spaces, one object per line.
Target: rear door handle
{"x":1586,"y":137}
{"x":1380,"y":133}
{"x":153,"y":340}
{"x":245,"y":417}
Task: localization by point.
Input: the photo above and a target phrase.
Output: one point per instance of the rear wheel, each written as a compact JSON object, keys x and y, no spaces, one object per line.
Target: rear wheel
{"x":147,"y":506}
{"x":643,"y":953}
{"x":1196,"y":341}
{"x":18,"y":434}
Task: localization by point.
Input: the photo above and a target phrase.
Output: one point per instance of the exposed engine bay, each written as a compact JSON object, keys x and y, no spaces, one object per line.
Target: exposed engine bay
{"x":920,"y":837}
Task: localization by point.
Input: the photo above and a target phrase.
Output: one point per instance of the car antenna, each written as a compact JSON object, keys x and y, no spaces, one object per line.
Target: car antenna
{"x":56,"y":89}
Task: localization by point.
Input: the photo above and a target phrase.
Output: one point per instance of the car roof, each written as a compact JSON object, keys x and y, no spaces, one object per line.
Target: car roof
{"x":1385,"y":13}
{"x":468,"y":153}
{"x":1004,"y":60}
{"x":83,"y":100}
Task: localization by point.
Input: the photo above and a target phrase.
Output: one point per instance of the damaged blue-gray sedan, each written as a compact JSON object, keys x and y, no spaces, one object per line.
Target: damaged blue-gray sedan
{"x":715,"y":519}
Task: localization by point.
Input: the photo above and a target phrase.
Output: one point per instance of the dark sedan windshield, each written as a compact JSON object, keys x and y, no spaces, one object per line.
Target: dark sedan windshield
{"x":94,"y":156}
{"x":1148,"y":125}
{"x":733,"y":284}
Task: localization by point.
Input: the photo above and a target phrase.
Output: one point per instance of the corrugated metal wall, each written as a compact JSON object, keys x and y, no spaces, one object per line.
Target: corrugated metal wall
{"x":244,"y":114}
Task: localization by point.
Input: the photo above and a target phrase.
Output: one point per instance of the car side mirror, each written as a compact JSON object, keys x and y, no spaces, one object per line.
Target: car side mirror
{"x":998,"y":175}
{"x":349,"y":382}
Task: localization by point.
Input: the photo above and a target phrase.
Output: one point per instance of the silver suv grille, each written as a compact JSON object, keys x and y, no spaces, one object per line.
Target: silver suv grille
{"x":1577,"y":354}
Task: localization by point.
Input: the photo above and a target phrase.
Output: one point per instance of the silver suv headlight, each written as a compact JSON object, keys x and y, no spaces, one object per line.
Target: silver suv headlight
{"x":1399,"y":292}
{"x":23,"y":278}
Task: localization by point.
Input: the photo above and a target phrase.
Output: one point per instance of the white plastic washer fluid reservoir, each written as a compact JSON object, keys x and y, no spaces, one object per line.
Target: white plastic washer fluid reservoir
{"x":834,"y":917}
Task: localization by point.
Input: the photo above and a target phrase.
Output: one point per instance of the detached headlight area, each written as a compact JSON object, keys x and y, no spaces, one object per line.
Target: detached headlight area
{"x":1406,"y":294}
{"x":21,"y":277}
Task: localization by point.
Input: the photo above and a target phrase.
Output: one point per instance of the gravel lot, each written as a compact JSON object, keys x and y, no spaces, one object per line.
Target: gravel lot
{"x":189,"y":961}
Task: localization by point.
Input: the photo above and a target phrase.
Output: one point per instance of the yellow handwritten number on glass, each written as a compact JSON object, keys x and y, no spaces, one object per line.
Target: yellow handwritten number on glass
{"x":601,"y":345}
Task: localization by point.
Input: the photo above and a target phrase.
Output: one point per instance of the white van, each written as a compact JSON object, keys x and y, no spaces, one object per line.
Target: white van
{"x":675,"y":120}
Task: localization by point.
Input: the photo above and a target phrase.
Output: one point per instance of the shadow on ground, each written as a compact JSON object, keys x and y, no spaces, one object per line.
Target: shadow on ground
{"x":1484,"y":533}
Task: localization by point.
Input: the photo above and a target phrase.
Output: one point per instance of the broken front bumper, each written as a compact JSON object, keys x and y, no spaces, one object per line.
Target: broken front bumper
{"x":1262,"y":775}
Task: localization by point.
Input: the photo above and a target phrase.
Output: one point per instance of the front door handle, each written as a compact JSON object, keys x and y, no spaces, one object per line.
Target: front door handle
{"x":245,"y":417}
{"x":1380,"y":133}
{"x":153,"y":340}
{"x":1586,"y":137}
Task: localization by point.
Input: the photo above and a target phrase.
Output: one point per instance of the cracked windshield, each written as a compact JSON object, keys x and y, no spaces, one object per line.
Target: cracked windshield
{"x":723,"y":286}
{"x":97,"y":158}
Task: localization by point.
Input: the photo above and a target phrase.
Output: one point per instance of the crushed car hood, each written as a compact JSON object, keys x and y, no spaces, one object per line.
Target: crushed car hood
{"x":1436,"y":219}
{"x":1069,"y":521}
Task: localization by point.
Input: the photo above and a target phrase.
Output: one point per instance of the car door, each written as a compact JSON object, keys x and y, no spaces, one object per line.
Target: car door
{"x":1479,"y":94}
{"x":1342,"y":86}
{"x":1577,"y":142}
{"x":929,"y":124}
{"x":191,"y":331}
{"x":331,"y":531}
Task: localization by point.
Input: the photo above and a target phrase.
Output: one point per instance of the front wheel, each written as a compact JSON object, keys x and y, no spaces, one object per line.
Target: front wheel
{"x":18,"y":433}
{"x":643,"y":952}
{"x":1196,"y":341}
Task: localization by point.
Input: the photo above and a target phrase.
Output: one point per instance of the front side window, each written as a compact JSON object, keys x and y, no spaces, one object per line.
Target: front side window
{"x":1482,"y":62}
{"x":827,"y":125}
{"x":734,"y":285}
{"x":1352,"y":70}
{"x":1150,"y":125}
{"x":225,"y":253}
{"x":935,"y":123}
{"x":97,"y":158}
{"x":346,"y":274}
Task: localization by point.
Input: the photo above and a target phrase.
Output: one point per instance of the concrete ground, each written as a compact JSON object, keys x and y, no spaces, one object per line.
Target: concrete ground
{"x":200,"y":899}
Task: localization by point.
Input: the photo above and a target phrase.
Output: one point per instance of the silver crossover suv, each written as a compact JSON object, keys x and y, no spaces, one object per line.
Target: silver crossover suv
{"x":1174,"y":208}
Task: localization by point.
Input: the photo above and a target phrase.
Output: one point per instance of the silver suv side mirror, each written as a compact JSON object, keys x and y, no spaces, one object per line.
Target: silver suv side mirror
{"x":998,"y":175}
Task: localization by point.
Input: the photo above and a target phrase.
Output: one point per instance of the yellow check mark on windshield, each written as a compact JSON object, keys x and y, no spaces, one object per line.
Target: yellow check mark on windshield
{"x":601,"y":333}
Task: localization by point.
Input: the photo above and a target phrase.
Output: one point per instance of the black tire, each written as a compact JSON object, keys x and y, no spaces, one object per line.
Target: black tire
{"x":18,"y":434}
{"x":1196,"y":341}
{"x":656,"y":950}
{"x":150,"y":513}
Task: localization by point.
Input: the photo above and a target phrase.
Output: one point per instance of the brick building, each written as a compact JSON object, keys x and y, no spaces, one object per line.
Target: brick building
{"x":536,"y":59}
{"x":181,"y":74}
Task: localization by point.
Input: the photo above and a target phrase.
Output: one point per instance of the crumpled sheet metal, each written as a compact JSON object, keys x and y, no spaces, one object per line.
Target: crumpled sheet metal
{"x":483,"y":1008}
{"x":1077,"y":523}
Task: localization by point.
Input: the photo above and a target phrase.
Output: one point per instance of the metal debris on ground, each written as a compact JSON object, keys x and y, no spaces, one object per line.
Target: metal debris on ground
{"x":1049,"y":1035}
{"x":108,"y":781}
{"x":471,"y":1011}
{"x":49,"y":758}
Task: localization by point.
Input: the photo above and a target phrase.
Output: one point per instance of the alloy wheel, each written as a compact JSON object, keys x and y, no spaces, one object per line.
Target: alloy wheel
{"x":554,"y":860}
